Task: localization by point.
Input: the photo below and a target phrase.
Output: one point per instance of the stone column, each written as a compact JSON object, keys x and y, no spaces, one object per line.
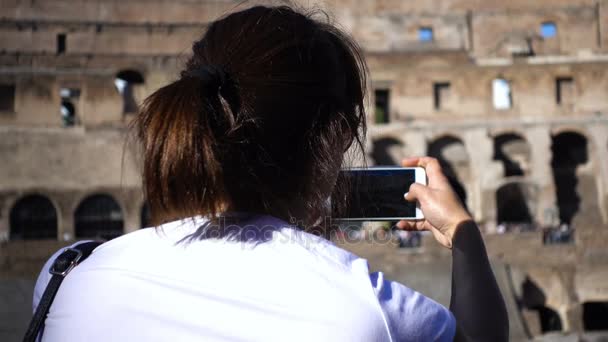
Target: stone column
{"x":67,"y":203}
{"x":131,"y":220}
{"x":572,"y":317}
{"x":415,"y":143}
{"x":132,"y":200}
{"x":484,"y":174}
{"x":599,"y":139}
{"x":541,"y":173}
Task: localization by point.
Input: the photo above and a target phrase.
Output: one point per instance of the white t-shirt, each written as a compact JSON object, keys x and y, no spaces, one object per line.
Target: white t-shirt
{"x":155,"y":284}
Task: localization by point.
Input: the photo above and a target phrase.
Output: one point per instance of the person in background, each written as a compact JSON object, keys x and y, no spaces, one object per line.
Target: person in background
{"x":240,"y":154}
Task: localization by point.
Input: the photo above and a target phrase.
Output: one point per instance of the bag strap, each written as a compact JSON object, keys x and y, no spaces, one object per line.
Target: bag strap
{"x":65,"y":262}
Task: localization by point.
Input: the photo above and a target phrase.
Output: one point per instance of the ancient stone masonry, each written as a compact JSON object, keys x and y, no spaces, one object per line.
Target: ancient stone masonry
{"x":510,"y":96}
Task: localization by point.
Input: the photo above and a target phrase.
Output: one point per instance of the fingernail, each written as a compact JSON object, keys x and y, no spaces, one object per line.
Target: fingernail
{"x":405,"y":195}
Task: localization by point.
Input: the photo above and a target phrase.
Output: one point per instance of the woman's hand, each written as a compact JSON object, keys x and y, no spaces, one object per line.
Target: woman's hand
{"x":442,"y":209}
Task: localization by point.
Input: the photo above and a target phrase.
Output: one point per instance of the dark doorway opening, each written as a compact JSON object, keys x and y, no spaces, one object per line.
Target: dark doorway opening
{"x":33,"y":217}
{"x":61,"y":43}
{"x":98,"y":216}
{"x":7,"y":97}
{"x":382,"y":106}
{"x":441,"y":92}
{"x":512,"y":204}
{"x":595,"y":316}
{"x":569,"y":151}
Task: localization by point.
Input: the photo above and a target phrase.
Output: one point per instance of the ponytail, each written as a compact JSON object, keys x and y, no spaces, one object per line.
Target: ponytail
{"x":180,"y":127}
{"x":262,"y":131}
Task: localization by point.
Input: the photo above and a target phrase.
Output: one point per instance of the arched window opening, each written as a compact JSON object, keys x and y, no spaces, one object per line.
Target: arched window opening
{"x":33,"y":217}
{"x":98,"y":216}
{"x":146,"y":216}
{"x":569,"y":152}
{"x":595,"y":316}
{"x":126,"y":82}
{"x":514,"y":153}
{"x":454,"y":160}
{"x":387,"y":151}
{"x":502,"y":97}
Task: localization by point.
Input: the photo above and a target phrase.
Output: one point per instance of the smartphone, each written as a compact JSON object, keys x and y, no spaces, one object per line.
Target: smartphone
{"x":376,"y":194}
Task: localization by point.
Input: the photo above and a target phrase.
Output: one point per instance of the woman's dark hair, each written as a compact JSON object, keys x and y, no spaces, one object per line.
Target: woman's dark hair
{"x":258,"y":122}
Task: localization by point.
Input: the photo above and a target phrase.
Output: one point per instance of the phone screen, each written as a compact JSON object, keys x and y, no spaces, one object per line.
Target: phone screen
{"x":377,"y":194}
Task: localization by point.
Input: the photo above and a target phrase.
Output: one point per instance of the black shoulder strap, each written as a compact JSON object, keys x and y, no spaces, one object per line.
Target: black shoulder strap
{"x":64,"y":263}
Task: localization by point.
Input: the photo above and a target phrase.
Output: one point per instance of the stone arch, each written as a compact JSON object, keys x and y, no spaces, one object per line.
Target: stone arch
{"x":33,"y":217}
{"x":569,"y":151}
{"x":454,"y":159}
{"x":98,"y":216}
{"x":126,"y":82}
{"x":445,"y":134}
{"x":595,"y":316}
{"x":570,"y":129}
{"x":514,"y":151}
{"x":387,"y":151}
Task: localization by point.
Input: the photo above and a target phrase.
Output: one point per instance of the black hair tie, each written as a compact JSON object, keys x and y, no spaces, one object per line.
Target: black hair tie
{"x":211,"y":76}
{"x":216,"y":81}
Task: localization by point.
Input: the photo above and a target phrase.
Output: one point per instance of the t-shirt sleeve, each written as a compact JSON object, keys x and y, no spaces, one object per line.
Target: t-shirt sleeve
{"x":411,"y":316}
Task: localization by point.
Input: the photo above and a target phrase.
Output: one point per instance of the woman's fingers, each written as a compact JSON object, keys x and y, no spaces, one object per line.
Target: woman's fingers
{"x":417,"y":192}
{"x":410,"y":162}
{"x":443,"y":239}
{"x":411,"y":225}
{"x":433,"y":172}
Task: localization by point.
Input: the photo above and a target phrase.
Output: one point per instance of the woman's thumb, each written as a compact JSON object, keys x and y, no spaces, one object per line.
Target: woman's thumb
{"x":416,"y":192}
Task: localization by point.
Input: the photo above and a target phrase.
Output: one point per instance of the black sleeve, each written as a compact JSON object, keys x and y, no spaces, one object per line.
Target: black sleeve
{"x":477,"y":304}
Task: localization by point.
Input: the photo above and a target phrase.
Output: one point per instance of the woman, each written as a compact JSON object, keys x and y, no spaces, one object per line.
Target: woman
{"x":240,"y":155}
